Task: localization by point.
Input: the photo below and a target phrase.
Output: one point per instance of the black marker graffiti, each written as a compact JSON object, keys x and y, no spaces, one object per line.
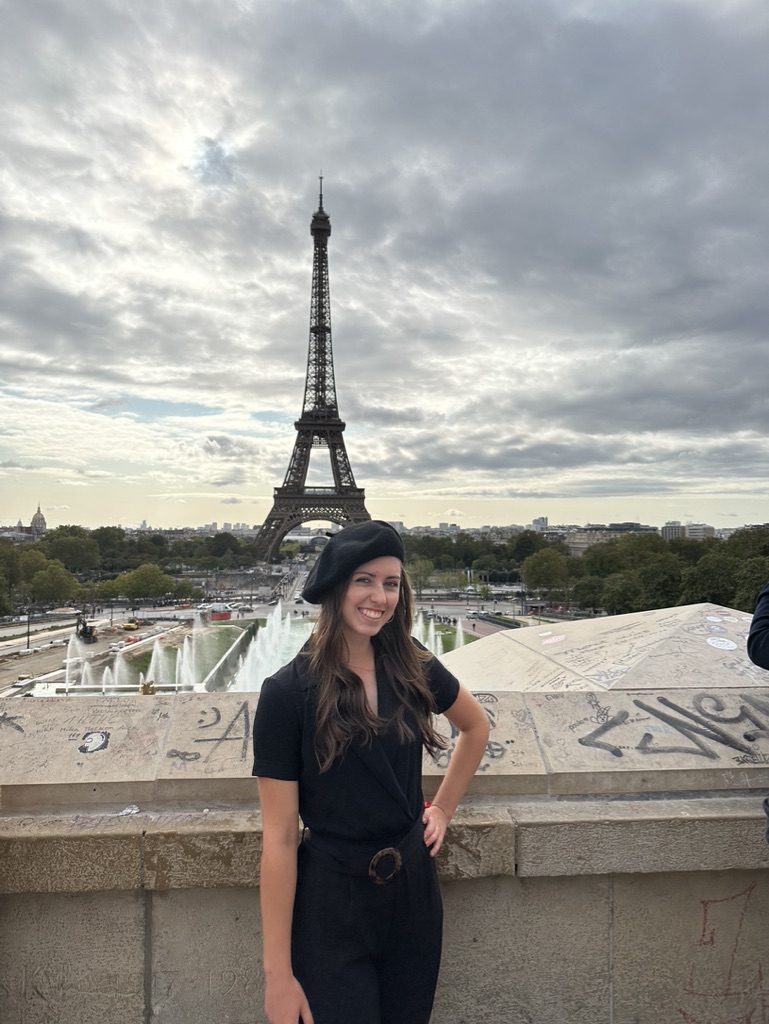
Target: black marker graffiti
{"x":96,"y":739}
{"x":701,"y":727}
{"x":238,"y":731}
{"x":11,"y":721}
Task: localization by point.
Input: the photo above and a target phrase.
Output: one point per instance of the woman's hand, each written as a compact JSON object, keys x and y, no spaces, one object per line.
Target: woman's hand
{"x":435,"y":821}
{"x":285,"y":1001}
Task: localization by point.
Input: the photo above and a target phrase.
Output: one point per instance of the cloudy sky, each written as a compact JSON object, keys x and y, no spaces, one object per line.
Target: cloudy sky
{"x":548,"y":260}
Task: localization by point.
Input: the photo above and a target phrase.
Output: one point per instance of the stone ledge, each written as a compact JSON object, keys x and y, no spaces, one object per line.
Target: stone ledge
{"x":480,"y":843}
{"x":639,"y":836}
{"x":162,"y":851}
{"x":62,"y":862}
{"x":194,"y":849}
{"x":196,"y":748}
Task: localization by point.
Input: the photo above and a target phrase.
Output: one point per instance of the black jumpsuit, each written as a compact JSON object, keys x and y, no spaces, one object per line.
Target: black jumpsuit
{"x":363,"y":952}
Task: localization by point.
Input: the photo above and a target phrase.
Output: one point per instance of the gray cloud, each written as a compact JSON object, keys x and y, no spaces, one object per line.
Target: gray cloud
{"x":548,"y":250}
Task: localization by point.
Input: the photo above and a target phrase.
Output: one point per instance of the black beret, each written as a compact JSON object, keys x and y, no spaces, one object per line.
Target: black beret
{"x":345,"y":551}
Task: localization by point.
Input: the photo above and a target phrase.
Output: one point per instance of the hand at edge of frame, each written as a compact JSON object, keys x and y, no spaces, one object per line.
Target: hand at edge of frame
{"x":285,"y":1001}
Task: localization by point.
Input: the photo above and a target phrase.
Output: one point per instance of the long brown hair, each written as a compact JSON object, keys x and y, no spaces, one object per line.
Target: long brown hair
{"x":342,"y":710}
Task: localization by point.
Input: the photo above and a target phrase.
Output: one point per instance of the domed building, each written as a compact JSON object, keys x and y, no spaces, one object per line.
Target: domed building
{"x":38,"y":525}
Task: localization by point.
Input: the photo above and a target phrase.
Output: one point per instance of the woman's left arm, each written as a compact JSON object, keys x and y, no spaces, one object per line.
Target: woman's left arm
{"x":471,"y":721}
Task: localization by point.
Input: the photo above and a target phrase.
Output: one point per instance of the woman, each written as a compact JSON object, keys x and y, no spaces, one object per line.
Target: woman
{"x":352,"y":922}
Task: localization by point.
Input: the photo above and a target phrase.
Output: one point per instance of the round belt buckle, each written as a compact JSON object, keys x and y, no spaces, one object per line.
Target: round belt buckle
{"x":389,"y":851}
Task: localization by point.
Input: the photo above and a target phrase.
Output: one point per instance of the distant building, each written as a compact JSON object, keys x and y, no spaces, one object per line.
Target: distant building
{"x":596,"y":533}
{"x":672,"y":530}
{"x":539,"y":525}
{"x":21,"y":533}
{"x":38,"y":525}
{"x":449,"y":528}
{"x":699,"y":531}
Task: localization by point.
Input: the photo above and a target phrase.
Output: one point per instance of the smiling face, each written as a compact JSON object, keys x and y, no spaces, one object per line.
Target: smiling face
{"x":371,"y":597}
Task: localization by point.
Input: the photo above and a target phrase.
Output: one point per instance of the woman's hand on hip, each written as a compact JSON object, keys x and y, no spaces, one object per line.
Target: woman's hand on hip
{"x":435,"y":821}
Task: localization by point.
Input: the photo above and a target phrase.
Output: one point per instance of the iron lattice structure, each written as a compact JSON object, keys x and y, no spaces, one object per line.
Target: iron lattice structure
{"x":318,"y":427}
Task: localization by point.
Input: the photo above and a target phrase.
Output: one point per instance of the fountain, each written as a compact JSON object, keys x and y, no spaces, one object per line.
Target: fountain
{"x":459,"y":635}
{"x":122,"y":677}
{"x":274,"y":645}
{"x":75,"y":664}
{"x":433,"y":639}
{"x":185,"y":666}
{"x":107,"y":681}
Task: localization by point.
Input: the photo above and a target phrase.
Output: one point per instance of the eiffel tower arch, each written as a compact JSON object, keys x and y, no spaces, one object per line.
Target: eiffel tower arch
{"x":319,"y":426}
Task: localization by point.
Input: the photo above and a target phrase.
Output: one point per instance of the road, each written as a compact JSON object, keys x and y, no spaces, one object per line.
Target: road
{"x":48,"y":647}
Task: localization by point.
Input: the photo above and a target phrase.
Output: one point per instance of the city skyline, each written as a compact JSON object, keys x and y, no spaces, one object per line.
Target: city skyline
{"x":549,"y":235}
{"x":542,"y":524}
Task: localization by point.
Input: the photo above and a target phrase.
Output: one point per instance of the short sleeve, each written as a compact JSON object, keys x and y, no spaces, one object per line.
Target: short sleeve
{"x":443,"y":685}
{"x":277,"y":735}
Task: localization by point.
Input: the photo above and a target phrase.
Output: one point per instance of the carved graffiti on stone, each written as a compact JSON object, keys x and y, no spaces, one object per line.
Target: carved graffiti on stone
{"x":728,"y":979}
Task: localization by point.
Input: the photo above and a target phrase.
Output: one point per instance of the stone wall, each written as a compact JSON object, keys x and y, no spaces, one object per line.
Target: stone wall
{"x":608,"y":866}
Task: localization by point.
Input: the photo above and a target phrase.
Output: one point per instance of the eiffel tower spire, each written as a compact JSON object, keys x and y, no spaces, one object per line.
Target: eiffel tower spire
{"x":319,"y":425}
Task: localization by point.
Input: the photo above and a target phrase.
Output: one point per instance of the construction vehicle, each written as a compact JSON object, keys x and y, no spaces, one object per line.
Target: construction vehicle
{"x":85,"y":632}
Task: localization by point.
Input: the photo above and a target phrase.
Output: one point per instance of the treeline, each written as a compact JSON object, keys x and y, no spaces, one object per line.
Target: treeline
{"x":635,"y":572}
{"x":72,"y":565}
{"x":631,"y":573}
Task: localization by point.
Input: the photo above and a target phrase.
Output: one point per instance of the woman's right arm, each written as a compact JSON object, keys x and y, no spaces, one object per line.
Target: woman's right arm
{"x":284,"y":1000}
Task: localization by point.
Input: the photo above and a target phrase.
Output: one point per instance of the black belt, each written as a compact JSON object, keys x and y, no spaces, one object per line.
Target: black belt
{"x":380,"y":864}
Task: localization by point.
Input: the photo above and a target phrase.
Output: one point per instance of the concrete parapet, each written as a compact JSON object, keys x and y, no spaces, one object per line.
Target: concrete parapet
{"x":609,"y":864}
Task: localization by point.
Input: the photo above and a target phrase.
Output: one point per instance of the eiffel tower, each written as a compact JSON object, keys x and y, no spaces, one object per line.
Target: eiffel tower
{"x":318,"y":427}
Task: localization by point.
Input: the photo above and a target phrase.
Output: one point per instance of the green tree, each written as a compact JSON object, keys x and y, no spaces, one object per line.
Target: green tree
{"x":690,"y":551}
{"x":106,"y":591}
{"x":73,"y":547}
{"x":186,"y":590}
{"x":110,"y":540}
{"x":638,"y":549}
{"x":31,"y":561}
{"x":587,"y":593}
{"x":750,"y":578}
{"x":661,"y":581}
{"x":152,"y":547}
{"x":5,"y":597}
{"x":221,"y":543}
{"x":712,"y":579}
{"x":622,"y":592}
{"x":144,"y":583}
{"x":750,"y":542}
{"x":420,"y":573}
{"x":485,"y":563}
{"x":452,"y":580}
{"x":602,"y":559}
{"x":53,"y":585}
{"x":10,"y":564}
{"x":545,"y":571}
{"x":525,"y":544}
